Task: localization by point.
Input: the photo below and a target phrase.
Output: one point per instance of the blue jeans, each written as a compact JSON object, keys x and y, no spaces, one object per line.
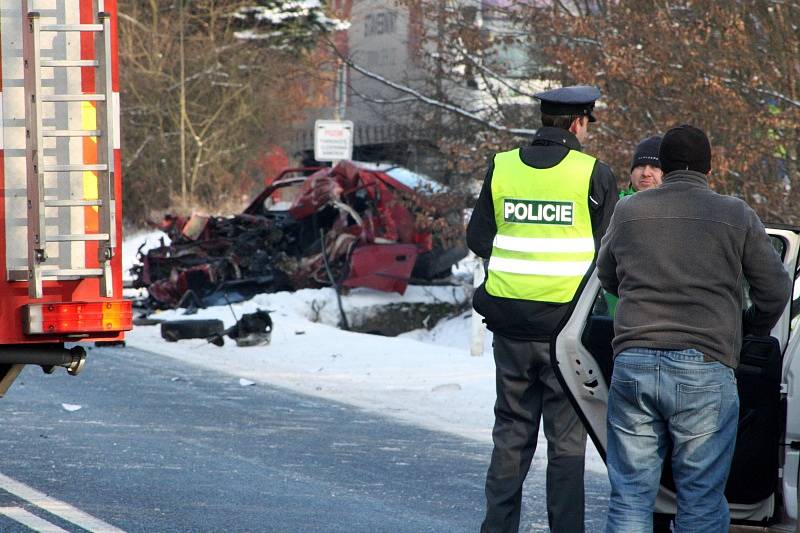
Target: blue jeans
{"x":662,"y":399}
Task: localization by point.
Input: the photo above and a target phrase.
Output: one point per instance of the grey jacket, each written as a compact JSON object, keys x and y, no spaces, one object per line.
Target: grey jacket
{"x":677,"y":257}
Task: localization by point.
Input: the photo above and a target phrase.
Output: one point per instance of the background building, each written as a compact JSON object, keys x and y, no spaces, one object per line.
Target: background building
{"x":411,"y":43}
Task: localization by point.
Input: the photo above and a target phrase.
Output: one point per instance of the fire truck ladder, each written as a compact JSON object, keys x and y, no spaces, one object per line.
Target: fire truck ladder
{"x":37,"y":167}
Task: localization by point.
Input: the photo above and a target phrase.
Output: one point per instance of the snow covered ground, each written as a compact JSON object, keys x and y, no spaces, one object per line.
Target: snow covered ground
{"x":427,"y":378}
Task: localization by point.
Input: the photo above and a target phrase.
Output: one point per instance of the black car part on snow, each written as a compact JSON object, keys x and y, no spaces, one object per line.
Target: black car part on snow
{"x":253,"y":329}
{"x":175,"y":330}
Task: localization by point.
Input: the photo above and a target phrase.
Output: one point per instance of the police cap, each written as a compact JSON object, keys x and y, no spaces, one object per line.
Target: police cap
{"x":572,"y":100}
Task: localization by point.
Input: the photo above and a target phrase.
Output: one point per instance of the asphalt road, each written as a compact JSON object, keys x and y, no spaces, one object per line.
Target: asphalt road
{"x":160,"y":446}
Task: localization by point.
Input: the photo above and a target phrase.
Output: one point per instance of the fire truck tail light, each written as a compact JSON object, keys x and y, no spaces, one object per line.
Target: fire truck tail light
{"x":77,"y":317}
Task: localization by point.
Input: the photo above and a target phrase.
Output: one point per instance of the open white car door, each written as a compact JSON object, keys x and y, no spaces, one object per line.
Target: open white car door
{"x":764,"y":476}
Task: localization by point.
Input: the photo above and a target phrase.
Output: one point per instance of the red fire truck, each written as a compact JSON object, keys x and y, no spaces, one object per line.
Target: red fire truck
{"x":60,"y":211}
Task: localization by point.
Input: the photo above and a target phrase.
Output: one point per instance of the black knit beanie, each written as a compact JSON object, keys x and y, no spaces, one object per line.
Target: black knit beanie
{"x":647,"y":152}
{"x":685,"y":148}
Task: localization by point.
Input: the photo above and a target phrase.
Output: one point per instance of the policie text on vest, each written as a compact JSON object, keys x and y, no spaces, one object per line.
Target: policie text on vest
{"x":537,"y":212}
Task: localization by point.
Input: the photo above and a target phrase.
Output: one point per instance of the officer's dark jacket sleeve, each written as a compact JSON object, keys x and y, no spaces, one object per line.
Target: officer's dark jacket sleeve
{"x":603,"y":196}
{"x":482,"y":226}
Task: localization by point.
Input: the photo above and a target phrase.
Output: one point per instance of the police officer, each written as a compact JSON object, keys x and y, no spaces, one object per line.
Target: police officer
{"x":539,"y":218}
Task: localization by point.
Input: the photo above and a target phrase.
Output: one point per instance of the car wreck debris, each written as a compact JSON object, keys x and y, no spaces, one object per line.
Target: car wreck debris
{"x":175,"y":330}
{"x":372,"y":230}
{"x":253,"y":329}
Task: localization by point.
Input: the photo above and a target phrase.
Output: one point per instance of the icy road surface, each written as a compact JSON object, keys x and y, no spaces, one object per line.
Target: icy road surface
{"x":159,"y":445}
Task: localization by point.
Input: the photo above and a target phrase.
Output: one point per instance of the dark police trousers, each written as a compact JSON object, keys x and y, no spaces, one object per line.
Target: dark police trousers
{"x":527,"y":390}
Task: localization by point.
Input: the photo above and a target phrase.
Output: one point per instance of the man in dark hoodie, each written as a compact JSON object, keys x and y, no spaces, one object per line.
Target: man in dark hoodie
{"x":677,"y":256}
{"x":539,"y":218}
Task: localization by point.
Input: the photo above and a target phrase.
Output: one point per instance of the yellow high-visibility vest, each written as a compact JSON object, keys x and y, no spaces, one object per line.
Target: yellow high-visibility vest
{"x":544,"y":244}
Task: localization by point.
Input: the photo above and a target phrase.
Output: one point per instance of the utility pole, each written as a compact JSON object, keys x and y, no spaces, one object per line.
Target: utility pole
{"x":340,"y":91}
{"x":478,"y":329}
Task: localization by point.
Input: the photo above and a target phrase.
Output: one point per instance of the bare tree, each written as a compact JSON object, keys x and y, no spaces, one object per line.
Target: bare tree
{"x":247,"y":77}
{"x":731,"y":67}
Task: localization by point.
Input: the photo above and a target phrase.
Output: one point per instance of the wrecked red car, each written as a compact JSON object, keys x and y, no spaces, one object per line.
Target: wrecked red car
{"x":345,"y":226}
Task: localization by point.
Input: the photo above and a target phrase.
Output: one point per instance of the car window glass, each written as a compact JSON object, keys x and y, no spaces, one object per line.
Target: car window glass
{"x":603,"y":304}
{"x":780,"y":247}
{"x":283,"y":197}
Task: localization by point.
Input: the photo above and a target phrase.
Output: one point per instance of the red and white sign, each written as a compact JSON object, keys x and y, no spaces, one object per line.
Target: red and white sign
{"x":333,"y":140}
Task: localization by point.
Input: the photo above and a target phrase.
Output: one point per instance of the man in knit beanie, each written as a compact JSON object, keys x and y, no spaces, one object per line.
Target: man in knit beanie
{"x":646,"y":170}
{"x":677,"y":256}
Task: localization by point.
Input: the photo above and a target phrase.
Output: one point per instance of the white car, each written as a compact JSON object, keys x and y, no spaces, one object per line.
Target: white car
{"x":762,"y":488}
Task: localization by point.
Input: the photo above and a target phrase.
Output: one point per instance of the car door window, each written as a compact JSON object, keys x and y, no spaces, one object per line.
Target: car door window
{"x":780,"y":247}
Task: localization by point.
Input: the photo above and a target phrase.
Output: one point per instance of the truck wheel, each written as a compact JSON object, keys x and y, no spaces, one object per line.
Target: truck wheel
{"x":176,"y":330}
